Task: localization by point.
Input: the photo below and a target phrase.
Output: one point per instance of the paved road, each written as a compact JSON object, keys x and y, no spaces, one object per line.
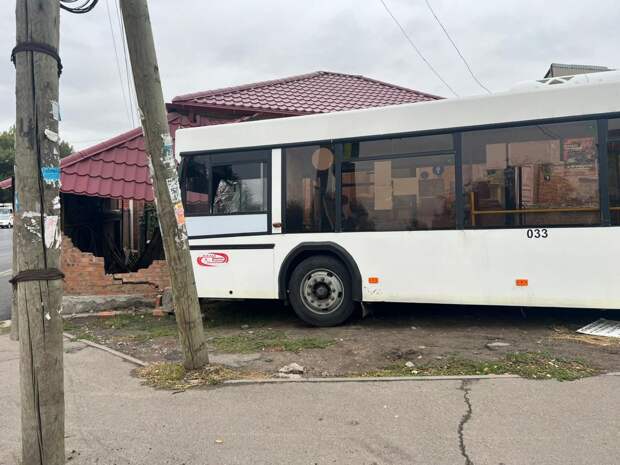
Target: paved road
{"x":112,"y":419}
{"x":6,"y":255}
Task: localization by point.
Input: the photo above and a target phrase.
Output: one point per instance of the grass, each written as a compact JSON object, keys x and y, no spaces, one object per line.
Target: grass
{"x":136,"y":327}
{"x":531,"y":365}
{"x":268,"y":340}
{"x":79,"y":331}
{"x":4,"y":330}
{"x":173,"y":376}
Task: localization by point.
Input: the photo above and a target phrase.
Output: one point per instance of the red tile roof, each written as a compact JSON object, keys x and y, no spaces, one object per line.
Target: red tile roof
{"x":319,"y":92}
{"x":118,"y":167}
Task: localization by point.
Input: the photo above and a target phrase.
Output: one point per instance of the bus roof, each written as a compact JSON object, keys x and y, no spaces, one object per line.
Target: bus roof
{"x":583,"y":95}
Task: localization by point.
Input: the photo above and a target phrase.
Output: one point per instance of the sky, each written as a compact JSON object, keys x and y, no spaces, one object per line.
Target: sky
{"x":208,"y":44}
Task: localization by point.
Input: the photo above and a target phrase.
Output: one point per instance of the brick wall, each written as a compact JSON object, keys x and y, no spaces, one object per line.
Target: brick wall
{"x":85,"y":275}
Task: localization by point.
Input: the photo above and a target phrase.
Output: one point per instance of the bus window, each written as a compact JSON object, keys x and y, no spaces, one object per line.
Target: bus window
{"x":531,"y":175}
{"x":310,"y":189}
{"x":239,"y":188}
{"x":399,"y":194}
{"x":196,"y":186}
{"x":613,"y":154}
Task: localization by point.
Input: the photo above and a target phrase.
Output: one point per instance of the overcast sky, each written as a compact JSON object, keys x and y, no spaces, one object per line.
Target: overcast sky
{"x":206,"y":44}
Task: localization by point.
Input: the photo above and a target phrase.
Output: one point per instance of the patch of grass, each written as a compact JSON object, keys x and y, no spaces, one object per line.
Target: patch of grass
{"x":531,"y":365}
{"x":79,"y":331}
{"x":135,"y":327}
{"x":4,"y":330}
{"x":268,"y":340}
{"x":174,"y":376}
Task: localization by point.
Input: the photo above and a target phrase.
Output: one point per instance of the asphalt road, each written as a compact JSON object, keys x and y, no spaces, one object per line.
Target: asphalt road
{"x":113,"y":419}
{"x":6,"y":255}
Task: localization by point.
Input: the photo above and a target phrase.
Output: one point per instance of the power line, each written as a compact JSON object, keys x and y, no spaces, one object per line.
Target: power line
{"x":132,"y":100}
{"x":118,"y":67}
{"x":455,"y":47}
{"x":417,"y":50}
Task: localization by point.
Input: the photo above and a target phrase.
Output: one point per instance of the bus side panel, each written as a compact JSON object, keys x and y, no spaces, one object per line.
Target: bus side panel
{"x":570,"y":267}
{"x":234,"y":273}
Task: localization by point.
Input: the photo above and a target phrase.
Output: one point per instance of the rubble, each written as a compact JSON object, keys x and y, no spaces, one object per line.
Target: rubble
{"x":292,"y":368}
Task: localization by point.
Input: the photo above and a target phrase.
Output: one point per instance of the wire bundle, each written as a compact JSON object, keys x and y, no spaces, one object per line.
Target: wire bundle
{"x":78,"y":6}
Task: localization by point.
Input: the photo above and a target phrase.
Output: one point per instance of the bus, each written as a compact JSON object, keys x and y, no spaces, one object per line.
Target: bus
{"x":510,"y":199}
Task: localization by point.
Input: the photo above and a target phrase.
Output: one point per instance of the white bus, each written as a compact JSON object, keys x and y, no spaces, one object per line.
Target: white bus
{"x":507,"y":199}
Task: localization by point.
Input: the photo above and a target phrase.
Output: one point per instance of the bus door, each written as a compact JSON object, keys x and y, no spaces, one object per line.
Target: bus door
{"x":228,"y":213}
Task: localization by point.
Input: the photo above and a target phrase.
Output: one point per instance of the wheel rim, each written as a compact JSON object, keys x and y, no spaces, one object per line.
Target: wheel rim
{"x":322,"y":291}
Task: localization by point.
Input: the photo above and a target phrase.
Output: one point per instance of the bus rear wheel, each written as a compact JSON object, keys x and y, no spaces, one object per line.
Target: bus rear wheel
{"x":320,"y":291}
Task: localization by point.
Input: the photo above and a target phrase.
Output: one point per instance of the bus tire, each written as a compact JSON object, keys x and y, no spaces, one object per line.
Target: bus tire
{"x":320,"y":291}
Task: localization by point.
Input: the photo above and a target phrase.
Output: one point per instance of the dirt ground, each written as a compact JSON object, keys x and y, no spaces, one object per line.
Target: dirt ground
{"x":264,"y":336}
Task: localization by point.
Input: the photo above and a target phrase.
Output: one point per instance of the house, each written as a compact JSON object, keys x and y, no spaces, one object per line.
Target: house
{"x":111,"y":243}
{"x":561,"y":69}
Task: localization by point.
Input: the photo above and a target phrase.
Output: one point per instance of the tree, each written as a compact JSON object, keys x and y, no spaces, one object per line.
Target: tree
{"x":7,"y":158}
{"x":7,"y":152}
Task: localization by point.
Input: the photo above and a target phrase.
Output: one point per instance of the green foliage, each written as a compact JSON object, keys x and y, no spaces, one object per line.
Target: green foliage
{"x":7,"y":152}
{"x":267,"y":340}
{"x":530,"y":365}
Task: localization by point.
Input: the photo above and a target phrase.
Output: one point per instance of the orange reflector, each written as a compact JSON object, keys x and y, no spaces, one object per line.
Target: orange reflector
{"x":521,"y":282}
{"x":373,"y":280}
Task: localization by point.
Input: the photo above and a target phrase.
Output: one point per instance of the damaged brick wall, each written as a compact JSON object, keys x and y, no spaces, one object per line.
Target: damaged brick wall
{"x":85,"y":275}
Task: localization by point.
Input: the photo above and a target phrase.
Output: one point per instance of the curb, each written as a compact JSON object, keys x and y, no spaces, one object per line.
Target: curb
{"x":368,"y":379}
{"x":127,"y":358}
{"x":104,"y":314}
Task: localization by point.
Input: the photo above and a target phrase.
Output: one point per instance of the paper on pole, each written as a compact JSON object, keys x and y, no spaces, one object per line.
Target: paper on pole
{"x":602,"y":327}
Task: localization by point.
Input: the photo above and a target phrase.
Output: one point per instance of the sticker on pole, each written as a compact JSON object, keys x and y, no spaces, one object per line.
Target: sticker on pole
{"x":174,"y":190}
{"x":50,"y":174}
{"x":167,"y":151}
{"x":179,"y":213}
{"x":52,"y":232}
{"x":212,"y":259}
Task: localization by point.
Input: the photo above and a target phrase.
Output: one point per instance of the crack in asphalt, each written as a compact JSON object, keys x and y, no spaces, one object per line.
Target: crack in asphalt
{"x":464,"y":419}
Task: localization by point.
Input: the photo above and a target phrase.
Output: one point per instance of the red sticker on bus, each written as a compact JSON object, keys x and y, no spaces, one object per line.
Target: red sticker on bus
{"x":212,"y":259}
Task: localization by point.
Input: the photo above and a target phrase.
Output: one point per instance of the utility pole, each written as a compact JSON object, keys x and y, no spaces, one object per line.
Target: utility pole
{"x":38,"y":280}
{"x":165,"y":180}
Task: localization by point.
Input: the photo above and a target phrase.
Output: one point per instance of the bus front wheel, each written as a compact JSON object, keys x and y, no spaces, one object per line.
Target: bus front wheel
{"x":320,"y":291}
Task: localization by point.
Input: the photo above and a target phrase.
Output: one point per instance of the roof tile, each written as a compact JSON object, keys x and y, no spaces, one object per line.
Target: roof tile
{"x":318,"y":92}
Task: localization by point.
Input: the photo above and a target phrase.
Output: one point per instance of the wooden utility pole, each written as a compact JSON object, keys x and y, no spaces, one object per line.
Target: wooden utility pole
{"x":37,"y":232}
{"x":165,"y":180}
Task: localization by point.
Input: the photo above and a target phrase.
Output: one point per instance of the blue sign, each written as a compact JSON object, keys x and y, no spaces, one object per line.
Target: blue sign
{"x":50,"y":173}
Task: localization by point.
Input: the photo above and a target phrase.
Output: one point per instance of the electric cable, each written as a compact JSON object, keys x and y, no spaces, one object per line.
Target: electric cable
{"x":417,"y":50}
{"x":118,"y":68}
{"x":456,"y":47}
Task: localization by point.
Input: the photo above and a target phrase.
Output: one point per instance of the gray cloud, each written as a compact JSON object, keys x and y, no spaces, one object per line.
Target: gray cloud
{"x":207,"y":44}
